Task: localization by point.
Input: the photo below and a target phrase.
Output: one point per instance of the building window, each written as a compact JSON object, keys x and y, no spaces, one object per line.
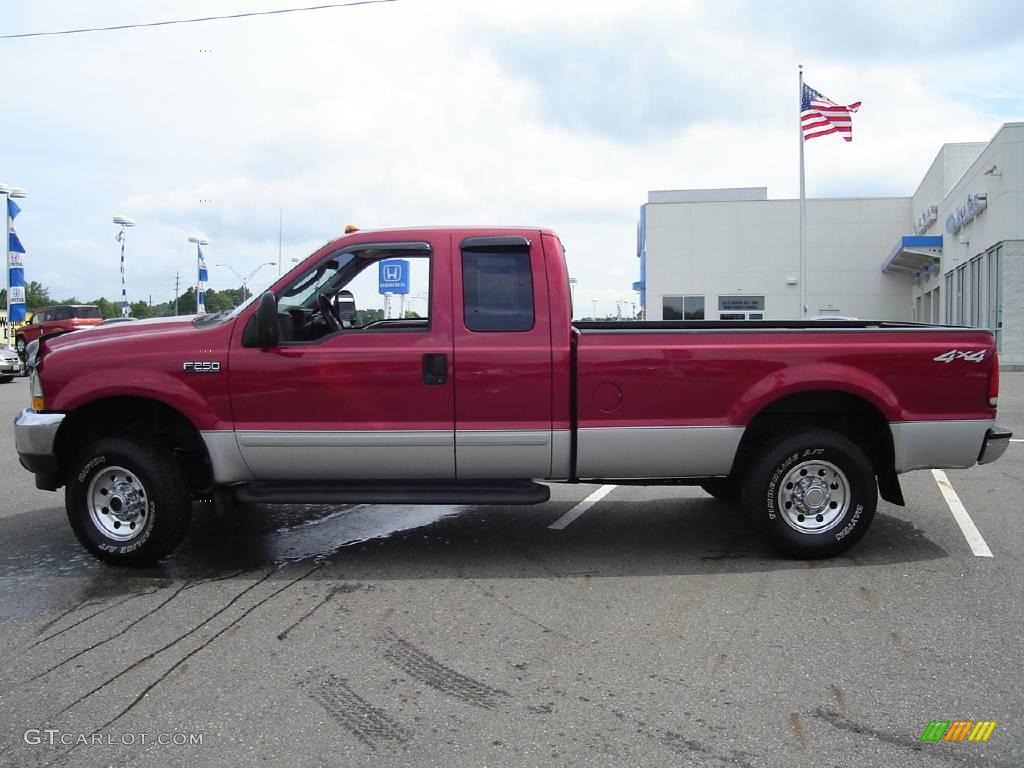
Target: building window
{"x":976,"y":294}
{"x":682,"y":308}
{"x":949,"y":299}
{"x":961,"y":296}
{"x":741,"y":307}
{"x":497,"y":290}
{"x":995,"y":294}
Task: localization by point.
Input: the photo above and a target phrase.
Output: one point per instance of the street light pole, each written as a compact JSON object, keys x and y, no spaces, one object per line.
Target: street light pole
{"x":245,"y":280}
{"x":594,"y":302}
{"x":124,"y":223}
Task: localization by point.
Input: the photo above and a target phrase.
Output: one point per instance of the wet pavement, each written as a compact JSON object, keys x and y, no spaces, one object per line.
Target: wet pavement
{"x":653,"y":630}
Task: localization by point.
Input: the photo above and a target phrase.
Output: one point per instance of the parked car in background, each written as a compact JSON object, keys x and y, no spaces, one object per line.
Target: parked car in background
{"x":10,"y":364}
{"x":63,"y":317}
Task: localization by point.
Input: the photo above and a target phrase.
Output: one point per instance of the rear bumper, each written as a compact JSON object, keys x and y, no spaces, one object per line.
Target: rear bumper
{"x":34,"y":437}
{"x":996,"y":442}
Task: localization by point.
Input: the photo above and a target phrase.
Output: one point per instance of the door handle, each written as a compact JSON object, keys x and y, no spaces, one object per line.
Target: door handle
{"x":435,"y":369}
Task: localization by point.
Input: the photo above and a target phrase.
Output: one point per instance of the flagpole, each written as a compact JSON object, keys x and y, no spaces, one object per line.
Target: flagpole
{"x":803,"y":206}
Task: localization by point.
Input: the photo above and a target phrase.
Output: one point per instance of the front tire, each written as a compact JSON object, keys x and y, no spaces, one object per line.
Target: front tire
{"x":814,"y":494}
{"x":128,"y":501}
{"x":6,"y":379}
{"x":19,"y":346}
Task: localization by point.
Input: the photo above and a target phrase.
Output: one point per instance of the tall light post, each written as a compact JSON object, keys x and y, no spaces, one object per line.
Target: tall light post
{"x":572,"y":290}
{"x":14,"y":264}
{"x":201,"y":274}
{"x":594,"y":302}
{"x":245,"y":280}
{"x":124,"y":222}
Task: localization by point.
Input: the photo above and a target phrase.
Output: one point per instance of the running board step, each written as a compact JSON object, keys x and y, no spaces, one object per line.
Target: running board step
{"x":502,"y":492}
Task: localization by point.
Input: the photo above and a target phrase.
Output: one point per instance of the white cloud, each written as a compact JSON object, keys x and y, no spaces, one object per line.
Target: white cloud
{"x":440,"y":113}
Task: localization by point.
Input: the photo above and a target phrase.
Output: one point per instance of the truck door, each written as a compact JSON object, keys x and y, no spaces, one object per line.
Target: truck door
{"x":360,"y":398}
{"x":503,"y":365}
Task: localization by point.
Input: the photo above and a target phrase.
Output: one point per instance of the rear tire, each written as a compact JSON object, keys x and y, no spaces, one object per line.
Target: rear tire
{"x":128,"y":501}
{"x":19,"y":347}
{"x":813,"y":495}
{"x":6,"y":379}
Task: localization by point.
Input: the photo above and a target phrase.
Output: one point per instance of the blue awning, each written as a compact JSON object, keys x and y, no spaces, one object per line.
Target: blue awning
{"x":913,"y":253}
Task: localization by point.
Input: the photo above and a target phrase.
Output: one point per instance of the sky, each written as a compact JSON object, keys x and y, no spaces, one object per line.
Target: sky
{"x":561,"y":113}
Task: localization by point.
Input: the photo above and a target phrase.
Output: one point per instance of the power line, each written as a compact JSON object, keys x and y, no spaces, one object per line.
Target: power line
{"x":195,"y":21}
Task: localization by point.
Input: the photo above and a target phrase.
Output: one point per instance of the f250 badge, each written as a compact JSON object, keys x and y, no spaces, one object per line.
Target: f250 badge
{"x":955,"y":354}
{"x":201,"y":366}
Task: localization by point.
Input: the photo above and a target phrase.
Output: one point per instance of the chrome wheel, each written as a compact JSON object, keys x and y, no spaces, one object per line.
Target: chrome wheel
{"x":814,"y":496}
{"x":19,"y":345}
{"x":117,"y":503}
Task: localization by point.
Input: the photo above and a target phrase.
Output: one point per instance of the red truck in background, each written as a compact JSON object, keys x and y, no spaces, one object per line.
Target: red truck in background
{"x":288,"y":399}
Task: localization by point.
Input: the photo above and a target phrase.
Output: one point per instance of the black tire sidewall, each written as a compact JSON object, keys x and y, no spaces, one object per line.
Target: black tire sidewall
{"x":762,"y":493}
{"x":152,"y":542}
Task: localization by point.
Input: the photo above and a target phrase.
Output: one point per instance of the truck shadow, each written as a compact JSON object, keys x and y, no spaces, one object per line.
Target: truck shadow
{"x":657,"y":537}
{"x":675,"y":536}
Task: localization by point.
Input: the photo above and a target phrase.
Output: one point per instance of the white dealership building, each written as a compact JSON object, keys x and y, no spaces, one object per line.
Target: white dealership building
{"x":953,"y":252}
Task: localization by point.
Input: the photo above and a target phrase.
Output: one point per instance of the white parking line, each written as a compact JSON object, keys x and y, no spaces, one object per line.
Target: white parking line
{"x":967,"y":526}
{"x":582,"y":507}
{"x":1016,"y":440}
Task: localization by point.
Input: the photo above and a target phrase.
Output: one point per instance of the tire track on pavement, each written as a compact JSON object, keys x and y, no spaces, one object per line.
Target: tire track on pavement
{"x":163,"y":648}
{"x":183,"y":588}
{"x":369,"y":724}
{"x":194,"y":651}
{"x":421,"y":665}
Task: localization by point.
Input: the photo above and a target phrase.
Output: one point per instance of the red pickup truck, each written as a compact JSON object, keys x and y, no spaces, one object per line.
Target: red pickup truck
{"x":485,"y":389}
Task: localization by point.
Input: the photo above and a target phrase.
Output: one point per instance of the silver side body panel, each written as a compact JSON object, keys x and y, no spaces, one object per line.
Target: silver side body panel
{"x":225,"y":457}
{"x":937,"y":444}
{"x":323,"y":455}
{"x":561,"y":454}
{"x":501,"y":454}
{"x":651,"y":452}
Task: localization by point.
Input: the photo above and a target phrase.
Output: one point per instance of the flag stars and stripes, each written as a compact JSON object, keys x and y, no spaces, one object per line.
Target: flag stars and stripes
{"x":820,"y":116}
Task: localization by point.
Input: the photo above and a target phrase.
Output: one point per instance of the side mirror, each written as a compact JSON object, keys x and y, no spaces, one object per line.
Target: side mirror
{"x":268,"y":332}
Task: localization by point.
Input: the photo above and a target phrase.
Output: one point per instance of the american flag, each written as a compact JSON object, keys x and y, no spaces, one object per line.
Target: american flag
{"x":820,"y":116}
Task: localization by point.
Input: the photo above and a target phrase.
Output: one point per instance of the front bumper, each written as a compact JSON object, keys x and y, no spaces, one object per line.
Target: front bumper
{"x":34,"y":436}
{"x":997,"y":440}
{"x":8,"y":367}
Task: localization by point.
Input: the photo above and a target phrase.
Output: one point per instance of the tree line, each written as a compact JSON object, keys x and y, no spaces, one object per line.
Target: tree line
{"x":38,"y":295}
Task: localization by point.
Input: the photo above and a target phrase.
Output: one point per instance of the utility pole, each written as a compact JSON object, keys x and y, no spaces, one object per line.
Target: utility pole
{"x":176,"y":277}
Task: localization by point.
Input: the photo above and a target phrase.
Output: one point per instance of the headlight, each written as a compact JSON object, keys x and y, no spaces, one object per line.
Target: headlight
{"x":35,"y":389}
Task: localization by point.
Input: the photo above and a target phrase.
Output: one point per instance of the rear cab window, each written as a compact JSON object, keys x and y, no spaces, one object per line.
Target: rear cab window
{"x":497,"y":287}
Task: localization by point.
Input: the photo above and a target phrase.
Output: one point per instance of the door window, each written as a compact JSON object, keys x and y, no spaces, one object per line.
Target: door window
{"x":353,"y":284}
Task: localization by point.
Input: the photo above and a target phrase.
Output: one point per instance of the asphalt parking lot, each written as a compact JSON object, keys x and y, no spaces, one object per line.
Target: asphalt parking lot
{"x":653,"y":629}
